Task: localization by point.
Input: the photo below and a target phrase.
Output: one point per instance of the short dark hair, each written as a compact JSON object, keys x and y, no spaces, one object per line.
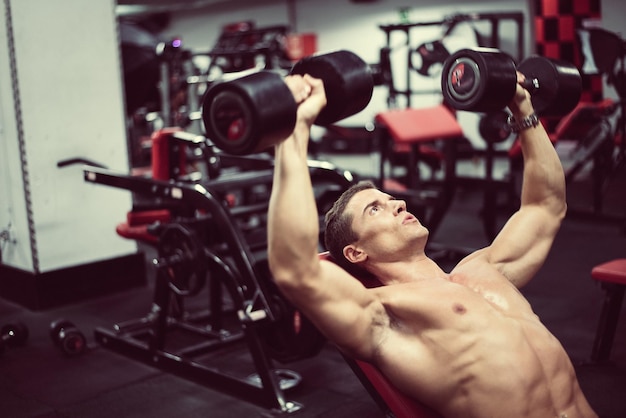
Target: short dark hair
{"x":338,"y":229}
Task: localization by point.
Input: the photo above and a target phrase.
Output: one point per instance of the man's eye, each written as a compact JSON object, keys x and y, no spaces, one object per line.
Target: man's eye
{"x":374,"y":209}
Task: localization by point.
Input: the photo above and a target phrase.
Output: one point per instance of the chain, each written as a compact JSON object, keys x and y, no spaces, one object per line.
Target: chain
{"x":20,"y":136}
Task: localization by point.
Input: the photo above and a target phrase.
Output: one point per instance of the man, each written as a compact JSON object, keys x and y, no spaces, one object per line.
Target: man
{"x":466,"y":343}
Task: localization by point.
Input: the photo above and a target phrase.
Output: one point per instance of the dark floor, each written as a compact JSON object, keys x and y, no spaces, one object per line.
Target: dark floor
{"x":37,"y":380}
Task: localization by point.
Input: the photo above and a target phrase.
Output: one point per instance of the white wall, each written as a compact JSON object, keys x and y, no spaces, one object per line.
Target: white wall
{"x":71,"y":105}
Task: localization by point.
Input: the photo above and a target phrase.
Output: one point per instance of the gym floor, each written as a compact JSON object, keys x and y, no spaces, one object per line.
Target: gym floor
{"x":38,"y":380}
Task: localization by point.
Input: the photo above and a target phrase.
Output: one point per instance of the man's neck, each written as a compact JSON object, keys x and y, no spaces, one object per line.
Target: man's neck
{"x":415,"y":269}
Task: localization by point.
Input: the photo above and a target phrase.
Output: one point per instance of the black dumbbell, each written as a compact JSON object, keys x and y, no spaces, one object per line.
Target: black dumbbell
{"x":251,"y":113}
{"x":67,"y":337}
{"x":493,"y":126}
{"x":13,"y":335}
{"x":485,"y":79}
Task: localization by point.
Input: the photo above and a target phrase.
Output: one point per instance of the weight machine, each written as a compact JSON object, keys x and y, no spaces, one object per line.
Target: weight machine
{"x":603,"y":143}
{"x":215,"y":241}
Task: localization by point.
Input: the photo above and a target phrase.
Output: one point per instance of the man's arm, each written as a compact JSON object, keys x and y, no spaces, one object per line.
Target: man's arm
{"x":523,"y":244}
{"x":337,"y":303}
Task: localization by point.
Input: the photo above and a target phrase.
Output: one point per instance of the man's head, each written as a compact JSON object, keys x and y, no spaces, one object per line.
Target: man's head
{"x":367,"y":227}
{"x":338,"y":230}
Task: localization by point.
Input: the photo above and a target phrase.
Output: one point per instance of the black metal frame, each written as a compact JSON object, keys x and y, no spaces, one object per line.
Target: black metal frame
{"x":607,"y":323}
{"x":144,"y":339}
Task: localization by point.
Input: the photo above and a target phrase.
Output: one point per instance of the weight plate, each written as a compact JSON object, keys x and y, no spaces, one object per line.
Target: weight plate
{"x":464,"y":79}
{"x":559,"y":85}
{"x":181,"y":256}
{"x":478,"y":80}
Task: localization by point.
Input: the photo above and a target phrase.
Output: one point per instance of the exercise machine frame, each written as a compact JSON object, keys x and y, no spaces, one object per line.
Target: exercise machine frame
{"x":249,"y":296}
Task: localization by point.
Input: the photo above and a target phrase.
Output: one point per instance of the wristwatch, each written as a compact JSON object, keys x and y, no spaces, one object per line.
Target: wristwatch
{"x":518,"y":126}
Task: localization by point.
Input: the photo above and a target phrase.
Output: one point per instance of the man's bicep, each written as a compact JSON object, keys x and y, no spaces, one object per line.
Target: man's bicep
{"x":340,"y":307}
{"x":523,"y":244}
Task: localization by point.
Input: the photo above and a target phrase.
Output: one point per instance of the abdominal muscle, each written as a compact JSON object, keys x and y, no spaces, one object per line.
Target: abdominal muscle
{"x":474,"y":358}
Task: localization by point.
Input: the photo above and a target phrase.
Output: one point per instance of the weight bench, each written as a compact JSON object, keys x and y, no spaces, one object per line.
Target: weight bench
{"x":612,"y":277}
{"x":389,"y":399}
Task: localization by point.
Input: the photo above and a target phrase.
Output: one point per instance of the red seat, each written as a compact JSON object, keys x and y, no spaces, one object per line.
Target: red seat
{"x":420,"y":124}
{"x":412,"y":129}
{"x":138,"y":222}
{"x":387,"y":396}
{"x":612,"y":276}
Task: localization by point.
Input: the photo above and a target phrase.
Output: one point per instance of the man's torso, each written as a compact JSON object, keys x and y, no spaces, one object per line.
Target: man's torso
{"x":472,"y":344}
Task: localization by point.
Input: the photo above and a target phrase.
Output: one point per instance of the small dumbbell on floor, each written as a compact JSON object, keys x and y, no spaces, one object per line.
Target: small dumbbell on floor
{"x":13,"y":335}
{"x":67,"y":337}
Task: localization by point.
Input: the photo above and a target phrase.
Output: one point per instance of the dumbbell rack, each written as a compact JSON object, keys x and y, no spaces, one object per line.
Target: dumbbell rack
{"x":145,"y":339}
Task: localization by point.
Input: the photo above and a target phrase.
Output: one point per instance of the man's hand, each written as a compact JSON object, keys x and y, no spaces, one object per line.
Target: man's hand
{"x":521,"y":105}
{"x":309,"y":95}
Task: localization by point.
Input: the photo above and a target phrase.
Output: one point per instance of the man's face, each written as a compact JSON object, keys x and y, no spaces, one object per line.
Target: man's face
{"x":383,"y":225}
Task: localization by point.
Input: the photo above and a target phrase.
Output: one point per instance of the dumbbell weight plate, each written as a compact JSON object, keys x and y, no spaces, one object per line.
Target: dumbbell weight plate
{"x":493,"y":126}
{"x":250,"y":113}
{"x":559,"y":85}
{"x":348,"y":83}
{"x":65,"y":335}
{"x":478,"y":80}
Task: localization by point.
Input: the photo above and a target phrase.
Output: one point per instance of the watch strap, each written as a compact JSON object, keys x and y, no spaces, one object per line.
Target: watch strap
{"x":528,"y":122}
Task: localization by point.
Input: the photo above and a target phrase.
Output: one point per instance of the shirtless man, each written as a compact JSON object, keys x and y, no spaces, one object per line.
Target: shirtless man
{"x":465,"y":343}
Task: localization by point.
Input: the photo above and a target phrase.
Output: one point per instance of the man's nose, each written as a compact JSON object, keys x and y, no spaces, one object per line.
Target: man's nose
{"x":400,"y":206}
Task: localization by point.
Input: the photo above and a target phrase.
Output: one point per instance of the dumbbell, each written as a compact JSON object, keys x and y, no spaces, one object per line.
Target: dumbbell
{"x":485,"y":79}
{"x":67,"y":337}
{"x":493,"y":126}
{"x":251,"y":113}
{"x":13,"y":335}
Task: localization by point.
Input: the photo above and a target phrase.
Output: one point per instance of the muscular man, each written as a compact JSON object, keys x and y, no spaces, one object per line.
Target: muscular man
{"x":466,"y":343}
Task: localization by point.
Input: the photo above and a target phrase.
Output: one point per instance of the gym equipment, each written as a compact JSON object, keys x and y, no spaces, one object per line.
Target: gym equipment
{"x":181,"y":256}
{"x":485,"y":79}
{"x":612,"y":276}
{"x":13,"y":335}
{"x":493,"y":126}
{"x":221,"y":226}
{"x":67,"y":337}
{"x":348,"y":83}
{"x":429,"y":58}
{"x":251,"y":113}
{"x":293,"y":336}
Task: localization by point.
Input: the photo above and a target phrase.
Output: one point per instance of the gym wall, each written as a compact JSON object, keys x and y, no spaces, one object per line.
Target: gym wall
{"x":60,"y":98}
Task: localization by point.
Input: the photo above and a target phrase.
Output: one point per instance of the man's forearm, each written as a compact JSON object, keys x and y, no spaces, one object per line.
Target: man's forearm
{"x":293,"y":228}
{"x":544,"y":180}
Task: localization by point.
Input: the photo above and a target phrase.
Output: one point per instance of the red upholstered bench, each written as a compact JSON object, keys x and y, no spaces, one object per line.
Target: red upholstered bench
{"x":392,"y":402}
{"x":612,"y":276}
{"x":413,"y":128}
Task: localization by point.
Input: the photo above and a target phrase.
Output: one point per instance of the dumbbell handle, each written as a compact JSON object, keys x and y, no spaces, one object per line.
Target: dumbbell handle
{"x":530,"y":84}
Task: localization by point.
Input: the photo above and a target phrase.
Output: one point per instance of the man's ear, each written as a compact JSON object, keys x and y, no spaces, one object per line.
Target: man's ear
{"x":354,"y":254}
